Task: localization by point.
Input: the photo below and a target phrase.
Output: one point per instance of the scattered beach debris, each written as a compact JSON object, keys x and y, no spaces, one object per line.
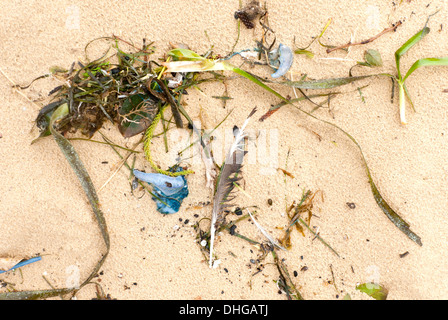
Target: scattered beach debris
{"x":133,"y":92}
{"x":304,"y":206}
{"x":284,"y":282}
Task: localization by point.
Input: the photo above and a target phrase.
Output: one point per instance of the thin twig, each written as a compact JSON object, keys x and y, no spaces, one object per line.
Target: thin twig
{"x":17,"y":90}
{"x":350,"y":44}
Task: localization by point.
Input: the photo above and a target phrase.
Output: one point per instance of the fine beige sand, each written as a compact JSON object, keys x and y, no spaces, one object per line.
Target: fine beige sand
{"x":44,"y":210}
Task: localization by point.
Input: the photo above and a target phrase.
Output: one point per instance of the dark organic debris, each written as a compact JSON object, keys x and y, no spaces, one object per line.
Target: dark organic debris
{"x":249,"y":13}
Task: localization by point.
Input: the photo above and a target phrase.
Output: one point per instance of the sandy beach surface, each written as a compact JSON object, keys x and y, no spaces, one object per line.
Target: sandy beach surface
{"x":44,"y":211}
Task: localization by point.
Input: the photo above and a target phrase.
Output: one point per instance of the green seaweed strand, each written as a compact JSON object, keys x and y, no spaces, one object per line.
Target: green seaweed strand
{"x":147,"y":147}
{"x":75,"y":162}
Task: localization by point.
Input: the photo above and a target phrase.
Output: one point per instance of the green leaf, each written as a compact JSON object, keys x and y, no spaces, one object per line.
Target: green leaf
{"x":180,"y":54}
{"x":408,"y":45}
{"x":373,"y":58}
{"x":408,"y":95}
{"x":308,"y":53}
{"x":136,"y":114}
{"x":374,"y":290}
{"x":426,"y":63}
{"x":412,"y":42}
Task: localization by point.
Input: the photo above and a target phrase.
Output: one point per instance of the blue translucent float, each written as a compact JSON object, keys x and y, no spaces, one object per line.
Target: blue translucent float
{"x":169,"y":192}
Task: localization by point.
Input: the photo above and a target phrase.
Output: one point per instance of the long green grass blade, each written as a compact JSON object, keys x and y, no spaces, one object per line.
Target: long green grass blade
{"x":89,"y":189}
{"x":86,"y":183}
{"x":258,"y":82}
{"x":412,"y":42}
{"x":34,"y":294}
{"x":408,"y":45}
{"x":427,"y":62}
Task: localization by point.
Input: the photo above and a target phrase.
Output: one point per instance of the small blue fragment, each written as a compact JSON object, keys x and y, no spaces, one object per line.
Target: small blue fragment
{"x":169,"y":192}
{"x":23,"y":263}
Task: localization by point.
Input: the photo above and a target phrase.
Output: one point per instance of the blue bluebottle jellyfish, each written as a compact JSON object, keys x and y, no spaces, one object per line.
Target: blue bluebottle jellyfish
{"x":169,"y":192}
{"x":281,"y":58}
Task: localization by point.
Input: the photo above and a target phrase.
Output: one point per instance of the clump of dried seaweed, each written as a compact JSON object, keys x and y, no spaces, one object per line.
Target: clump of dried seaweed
{"x":111,"y":88}
{"x":295,"y":211}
